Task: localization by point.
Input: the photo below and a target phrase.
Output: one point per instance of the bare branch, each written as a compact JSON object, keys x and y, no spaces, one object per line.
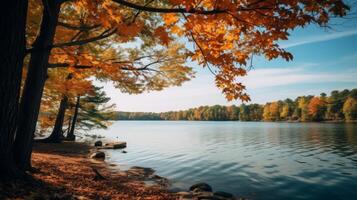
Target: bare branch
{"x":103,"y":35}
{"x":81,"y":27}
{"x":167,"y":10}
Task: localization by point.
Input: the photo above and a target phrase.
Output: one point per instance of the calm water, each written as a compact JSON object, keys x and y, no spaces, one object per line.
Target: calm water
{"x":250,"y":159}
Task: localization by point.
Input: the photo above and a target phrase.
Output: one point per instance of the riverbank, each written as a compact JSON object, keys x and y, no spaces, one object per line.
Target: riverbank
{"x":64,"y":171}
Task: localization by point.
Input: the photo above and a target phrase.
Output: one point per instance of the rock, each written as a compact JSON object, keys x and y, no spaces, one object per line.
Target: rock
{"x":115,"y":145}
{"x":204,"y":187}
{"x":185,"y":198}
{"x":185,"y":194}
{"x":223,"y":194}
{"x":203,"y":195}
{"x":124,"y":151}
{"x":98,"y":143}
{"x":98,"y":155}
{"x":209,"y":198}
{"x":141,"y":171}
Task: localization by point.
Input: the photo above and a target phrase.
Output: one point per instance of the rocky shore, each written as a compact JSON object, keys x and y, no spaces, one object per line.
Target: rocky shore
{"x":198,"y":191}
{"x":72,"y":170}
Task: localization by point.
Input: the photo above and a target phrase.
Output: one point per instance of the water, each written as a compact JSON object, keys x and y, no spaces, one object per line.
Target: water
{"x":257,"y":160}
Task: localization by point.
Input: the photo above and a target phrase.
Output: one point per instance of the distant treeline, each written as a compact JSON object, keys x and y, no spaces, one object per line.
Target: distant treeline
{"x":339,"y":106}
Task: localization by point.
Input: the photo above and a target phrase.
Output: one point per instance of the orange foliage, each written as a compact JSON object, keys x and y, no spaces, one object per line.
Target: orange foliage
{"x":225,"y":34}
{"x":315,"y":105}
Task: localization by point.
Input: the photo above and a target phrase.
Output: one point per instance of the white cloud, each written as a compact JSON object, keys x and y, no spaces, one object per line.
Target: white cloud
{"x":270,"y":77}
{"x":320,"y":38}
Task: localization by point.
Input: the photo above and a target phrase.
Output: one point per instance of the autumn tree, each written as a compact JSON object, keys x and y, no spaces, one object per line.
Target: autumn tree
{"x":233,"y":112}
{"x":266,"y":112}
{"x":303,"y":103}
{"x":287,"y":110}
{"x":224,"y":34}
{"x":350,"y":109}
{"x":44,"y":43}
{"x":317,"y":108}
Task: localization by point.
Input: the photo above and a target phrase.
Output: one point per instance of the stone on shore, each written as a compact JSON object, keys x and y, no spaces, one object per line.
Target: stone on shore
{"x":141,"y":171}
{"x":114,"y":145}
{"x":185,"y":194}
{"x":98,"y":155}
{"x":98,"y":143}
{"x":203,"y":191}
{"x":203,"y":187}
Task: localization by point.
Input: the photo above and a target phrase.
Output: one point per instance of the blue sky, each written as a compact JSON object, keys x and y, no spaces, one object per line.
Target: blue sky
{"x":324,"y":60}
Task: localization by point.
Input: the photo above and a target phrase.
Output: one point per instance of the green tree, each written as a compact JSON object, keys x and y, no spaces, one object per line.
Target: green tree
{"x":244,"y":113}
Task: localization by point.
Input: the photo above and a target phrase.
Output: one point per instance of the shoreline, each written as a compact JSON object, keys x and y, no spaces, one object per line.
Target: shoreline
{"x":65,"y":171}
{"x":286,"y":121}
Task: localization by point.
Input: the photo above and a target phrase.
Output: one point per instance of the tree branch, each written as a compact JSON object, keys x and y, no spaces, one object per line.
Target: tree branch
{"x":189,"y":11}
{"x":168,"y":10}
{"x":81,"y":27}
{"x":103,"y":35}
{"x":60,"y":65}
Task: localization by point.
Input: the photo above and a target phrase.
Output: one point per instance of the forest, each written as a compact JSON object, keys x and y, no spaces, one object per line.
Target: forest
{"x":339,"y":106}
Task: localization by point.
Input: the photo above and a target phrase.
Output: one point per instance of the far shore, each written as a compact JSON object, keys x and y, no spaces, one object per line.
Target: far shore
{"x":289,"y":121}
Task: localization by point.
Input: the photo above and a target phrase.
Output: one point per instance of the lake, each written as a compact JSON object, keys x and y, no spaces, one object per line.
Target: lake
{"x":257,"y":160}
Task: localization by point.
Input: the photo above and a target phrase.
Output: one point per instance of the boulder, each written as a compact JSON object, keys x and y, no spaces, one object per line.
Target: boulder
{"x":114,"y":145}
{"x":98,"y":143}
{"x":98,"y":155}
{"x":204,"y":187}
{"x":141,"y":171}
{"x":203,"y":195}
{"x":185,"y":194}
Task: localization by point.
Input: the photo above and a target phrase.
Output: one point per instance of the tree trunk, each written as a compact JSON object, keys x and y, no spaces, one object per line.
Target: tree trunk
{"x":70,"y":135}
{"x":12,"y":51}
{"x":57,"y":132}
{"x":69,"y":125}
{"x":35,"y":81}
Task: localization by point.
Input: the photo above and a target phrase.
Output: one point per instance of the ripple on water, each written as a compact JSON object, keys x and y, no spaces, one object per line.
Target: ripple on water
{"x":258,"y":160}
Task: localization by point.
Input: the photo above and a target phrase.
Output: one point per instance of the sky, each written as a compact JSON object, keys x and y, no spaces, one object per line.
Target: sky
{"x":324,"y":60}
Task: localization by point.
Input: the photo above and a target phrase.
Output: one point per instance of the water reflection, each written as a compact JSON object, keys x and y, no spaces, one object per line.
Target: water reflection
{"x":256,"y":160}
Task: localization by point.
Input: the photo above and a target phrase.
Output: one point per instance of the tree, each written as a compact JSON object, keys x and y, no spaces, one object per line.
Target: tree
{"x":350,"y":109}
{"x":40,"y":56}
{"x":12,"y":48}
{"x":233,"y":112}
{"x":303,"y":107}
{"x":35,"y":81}
{"x":244,"y":113}
{"x":225,"y":35}
{"x":317,"y":108}
{"x":287,"y":109}
{"x":93,"y":111}
{"x":255,"y":112}
{"x":61,"y":88}
{"x":274,"y":109}
{"x":335,"y":104}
